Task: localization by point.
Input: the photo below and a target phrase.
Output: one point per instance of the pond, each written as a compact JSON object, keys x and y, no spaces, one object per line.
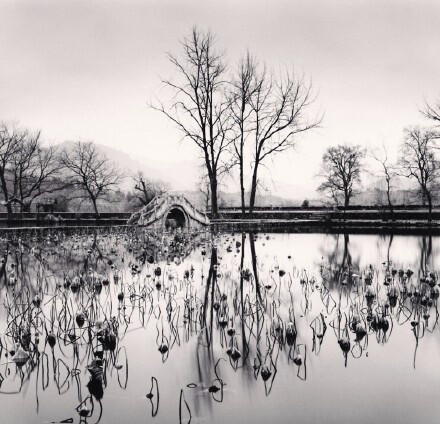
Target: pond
{"x":128,"y":325}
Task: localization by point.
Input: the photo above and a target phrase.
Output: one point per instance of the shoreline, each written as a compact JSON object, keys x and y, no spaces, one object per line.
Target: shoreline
{"x":397,"y":227}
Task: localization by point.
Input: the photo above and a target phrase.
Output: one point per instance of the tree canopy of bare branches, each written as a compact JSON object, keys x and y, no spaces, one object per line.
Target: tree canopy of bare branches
{"x":199,"y":106}
{"x":11,"y":138}
{"x":90,"y":172}
{"x":432,"y":111}
{"x":27,"y":168}
{"x":419,"y":161}
{"x":388,"y":172}
{"x":341,"y":171}
{"x":222,"y":114}
{"x":279,"y":113}
{"x":35,"y":171}
{"x":269,"y":111}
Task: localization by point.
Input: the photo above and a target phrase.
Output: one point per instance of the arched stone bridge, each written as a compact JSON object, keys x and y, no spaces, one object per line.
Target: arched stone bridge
{"x":169,"y":211}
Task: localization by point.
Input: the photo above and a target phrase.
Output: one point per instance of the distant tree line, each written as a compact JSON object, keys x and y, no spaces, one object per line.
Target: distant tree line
{"x":419,"y":160}
{"x":31,"y":172}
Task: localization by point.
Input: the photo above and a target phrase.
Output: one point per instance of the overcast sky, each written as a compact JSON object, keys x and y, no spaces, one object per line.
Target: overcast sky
{"x":85,"y":69}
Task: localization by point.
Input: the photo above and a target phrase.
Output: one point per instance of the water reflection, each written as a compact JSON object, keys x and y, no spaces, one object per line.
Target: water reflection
{"x":89,"y":316}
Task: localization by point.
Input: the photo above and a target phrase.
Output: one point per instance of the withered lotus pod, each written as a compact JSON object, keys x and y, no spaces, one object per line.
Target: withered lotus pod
{"x":20,"y":357}
{"x":265,"y":373}
{"x":163,"y":348}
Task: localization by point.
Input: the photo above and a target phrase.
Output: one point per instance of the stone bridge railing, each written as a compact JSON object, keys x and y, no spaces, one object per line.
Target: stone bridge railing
{"x":160,"y":206}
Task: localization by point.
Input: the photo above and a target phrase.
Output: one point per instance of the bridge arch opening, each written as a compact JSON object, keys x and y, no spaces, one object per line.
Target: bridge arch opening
{"x":175,"y":219}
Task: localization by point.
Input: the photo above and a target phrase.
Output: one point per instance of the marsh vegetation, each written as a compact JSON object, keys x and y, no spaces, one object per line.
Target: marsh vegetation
{"x":112,"y":325}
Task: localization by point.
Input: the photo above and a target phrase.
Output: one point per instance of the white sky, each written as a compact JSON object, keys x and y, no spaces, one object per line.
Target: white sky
{"x":85,"y":69}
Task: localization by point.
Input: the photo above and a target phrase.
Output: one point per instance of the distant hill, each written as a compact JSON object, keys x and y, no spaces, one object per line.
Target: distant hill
{"x":234,"y":199}
{"x":180,"y":175}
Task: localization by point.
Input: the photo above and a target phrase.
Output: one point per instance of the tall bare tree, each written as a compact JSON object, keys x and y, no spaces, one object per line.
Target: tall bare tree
{"x":199,"y":106}
{"x":279,"y":112}
{"x":243,"y":88}
{"x":419,"y":161}
{"x":90,"y":172}
{"x":341,"y":171}
{"x":146,"y":189}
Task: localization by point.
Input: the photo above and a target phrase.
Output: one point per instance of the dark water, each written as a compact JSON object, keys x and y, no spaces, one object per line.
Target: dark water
{"x":307,"y":328}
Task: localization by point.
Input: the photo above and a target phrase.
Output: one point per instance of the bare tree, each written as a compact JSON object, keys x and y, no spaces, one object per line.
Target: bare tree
{"x":387,"y":171}
{"x":341,"y":171}
{"x":199,"y":105}
{"x":419,"y":161}
{"x":243,"y":88}
{"x":11,"y":140}
{"x":27,"y":168}
{"x":279,"y":105}
{"x":145,"y":189}
{"x":90,"y":172}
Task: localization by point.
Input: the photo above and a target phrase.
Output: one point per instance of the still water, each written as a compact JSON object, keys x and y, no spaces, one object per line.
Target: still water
{"x":133,"y":326}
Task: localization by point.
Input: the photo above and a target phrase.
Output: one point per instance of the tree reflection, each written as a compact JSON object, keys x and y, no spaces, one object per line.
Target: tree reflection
{"x":71,"y":302}
{"x":338,"y":267}
{"x":426,"y":253}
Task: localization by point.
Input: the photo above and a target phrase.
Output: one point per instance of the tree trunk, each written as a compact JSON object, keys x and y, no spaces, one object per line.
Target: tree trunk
{"x":207,"y":202}
{"x":390,"y":204}
{"x":9,"y":210}
{"x":428,"y":196}
{"x":214,"y":204}
{"x":6,"y":196}
{"x":253,"y":189}
{"x":243,"y":201}
{"x":95,"y":208}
